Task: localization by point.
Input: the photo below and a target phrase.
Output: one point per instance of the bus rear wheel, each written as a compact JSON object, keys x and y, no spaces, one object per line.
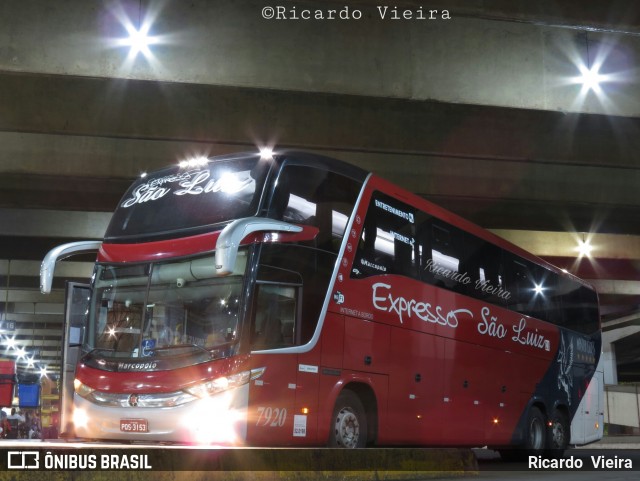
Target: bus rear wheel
{"x":349,"y":422}
{"x":559,"y":433}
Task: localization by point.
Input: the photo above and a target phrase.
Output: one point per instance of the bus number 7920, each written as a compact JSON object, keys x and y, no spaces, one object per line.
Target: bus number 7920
{"x":271,"y":417}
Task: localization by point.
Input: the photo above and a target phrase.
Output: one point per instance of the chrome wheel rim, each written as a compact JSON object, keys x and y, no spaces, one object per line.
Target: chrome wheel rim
{"x":347,"y":428}
{"x":557,"y":435}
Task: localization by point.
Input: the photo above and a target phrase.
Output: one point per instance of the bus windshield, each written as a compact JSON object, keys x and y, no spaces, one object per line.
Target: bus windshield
{"x":165,"y":309}
{"x":191,"y":199}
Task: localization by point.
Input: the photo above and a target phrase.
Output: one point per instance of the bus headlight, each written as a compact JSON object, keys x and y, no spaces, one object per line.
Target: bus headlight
{"x":80,"y":418}
{"x":224,"y":383}
{"x":81,"y":389}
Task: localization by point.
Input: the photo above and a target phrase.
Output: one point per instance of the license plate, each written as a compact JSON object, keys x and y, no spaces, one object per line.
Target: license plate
{"x":134,"y":426}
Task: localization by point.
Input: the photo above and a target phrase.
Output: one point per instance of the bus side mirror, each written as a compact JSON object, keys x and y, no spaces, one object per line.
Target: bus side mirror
{"x":57,"y":253}
{"x":229,"y":241}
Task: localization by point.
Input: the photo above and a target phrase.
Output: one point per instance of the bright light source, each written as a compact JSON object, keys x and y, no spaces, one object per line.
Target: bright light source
{"x":233,"y":183}
{"x":538,"y":289}
{"x":214,"y":421}
{"x":11,"y":342}
{"x":30,"y":362}
{"x":137,"y":27}
{"x":591,"y":78}
{"x":194,"y":162}
{"x":594,"y":67}
{"x":266,"y":153}
{"x":585,"y":248}
{"x":80,"y":418}
{"x":21,"y":353}
{"x":138,"y":40}
{"x":43,"y":371}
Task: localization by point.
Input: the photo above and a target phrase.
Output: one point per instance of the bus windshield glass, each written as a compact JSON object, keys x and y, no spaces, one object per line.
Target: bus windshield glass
{"x":165,"y":309}
{"x":179,"y":200}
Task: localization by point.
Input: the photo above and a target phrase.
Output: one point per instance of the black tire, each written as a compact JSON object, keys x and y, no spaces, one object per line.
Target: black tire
{"x":535,"y":440}
{"x":348,"y":423}
{"x":558,"y":434}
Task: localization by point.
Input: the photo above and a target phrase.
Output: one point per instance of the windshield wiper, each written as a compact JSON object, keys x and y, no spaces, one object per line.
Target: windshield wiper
{"x":184,"y":346}
{"x":95,"y":350}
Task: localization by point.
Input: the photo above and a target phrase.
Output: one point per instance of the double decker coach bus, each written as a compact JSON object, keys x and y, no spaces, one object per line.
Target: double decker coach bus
{"x":293,"y":299}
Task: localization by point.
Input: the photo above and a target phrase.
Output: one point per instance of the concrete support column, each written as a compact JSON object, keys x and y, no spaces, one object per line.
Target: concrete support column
{"x":614,"y":331}
{"x":609,"y":358}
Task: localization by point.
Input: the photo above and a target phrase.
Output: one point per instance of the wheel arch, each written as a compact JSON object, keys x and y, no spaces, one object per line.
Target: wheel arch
{"x":541,"y":405}
{"x":563,"y":408}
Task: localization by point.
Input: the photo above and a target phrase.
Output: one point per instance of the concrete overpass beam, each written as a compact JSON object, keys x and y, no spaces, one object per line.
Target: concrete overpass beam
{"x":523,"y":60}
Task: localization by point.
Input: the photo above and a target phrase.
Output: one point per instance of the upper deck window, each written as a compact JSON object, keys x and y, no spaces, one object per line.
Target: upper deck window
{"x":400,"y":239}
{"x":317,"y":197}
{"x":388,"y":242}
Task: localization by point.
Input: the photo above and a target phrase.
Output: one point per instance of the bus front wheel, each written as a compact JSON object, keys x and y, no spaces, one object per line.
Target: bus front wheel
{"x":349,"y":422}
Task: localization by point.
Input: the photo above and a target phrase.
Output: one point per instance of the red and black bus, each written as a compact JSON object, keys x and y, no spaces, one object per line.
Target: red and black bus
{"x":293,"y":299}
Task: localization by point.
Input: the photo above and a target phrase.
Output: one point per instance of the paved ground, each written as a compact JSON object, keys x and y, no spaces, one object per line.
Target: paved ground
{"x":608,"y":442}
{"x":615,"y":442}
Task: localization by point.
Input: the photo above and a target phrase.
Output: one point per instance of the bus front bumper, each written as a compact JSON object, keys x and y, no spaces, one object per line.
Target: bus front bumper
{"x":219,"y":419}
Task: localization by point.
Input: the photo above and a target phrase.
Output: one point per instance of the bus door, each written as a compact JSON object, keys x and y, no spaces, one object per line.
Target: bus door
{"x":75,"y":318}
{"x":75,"y":323}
